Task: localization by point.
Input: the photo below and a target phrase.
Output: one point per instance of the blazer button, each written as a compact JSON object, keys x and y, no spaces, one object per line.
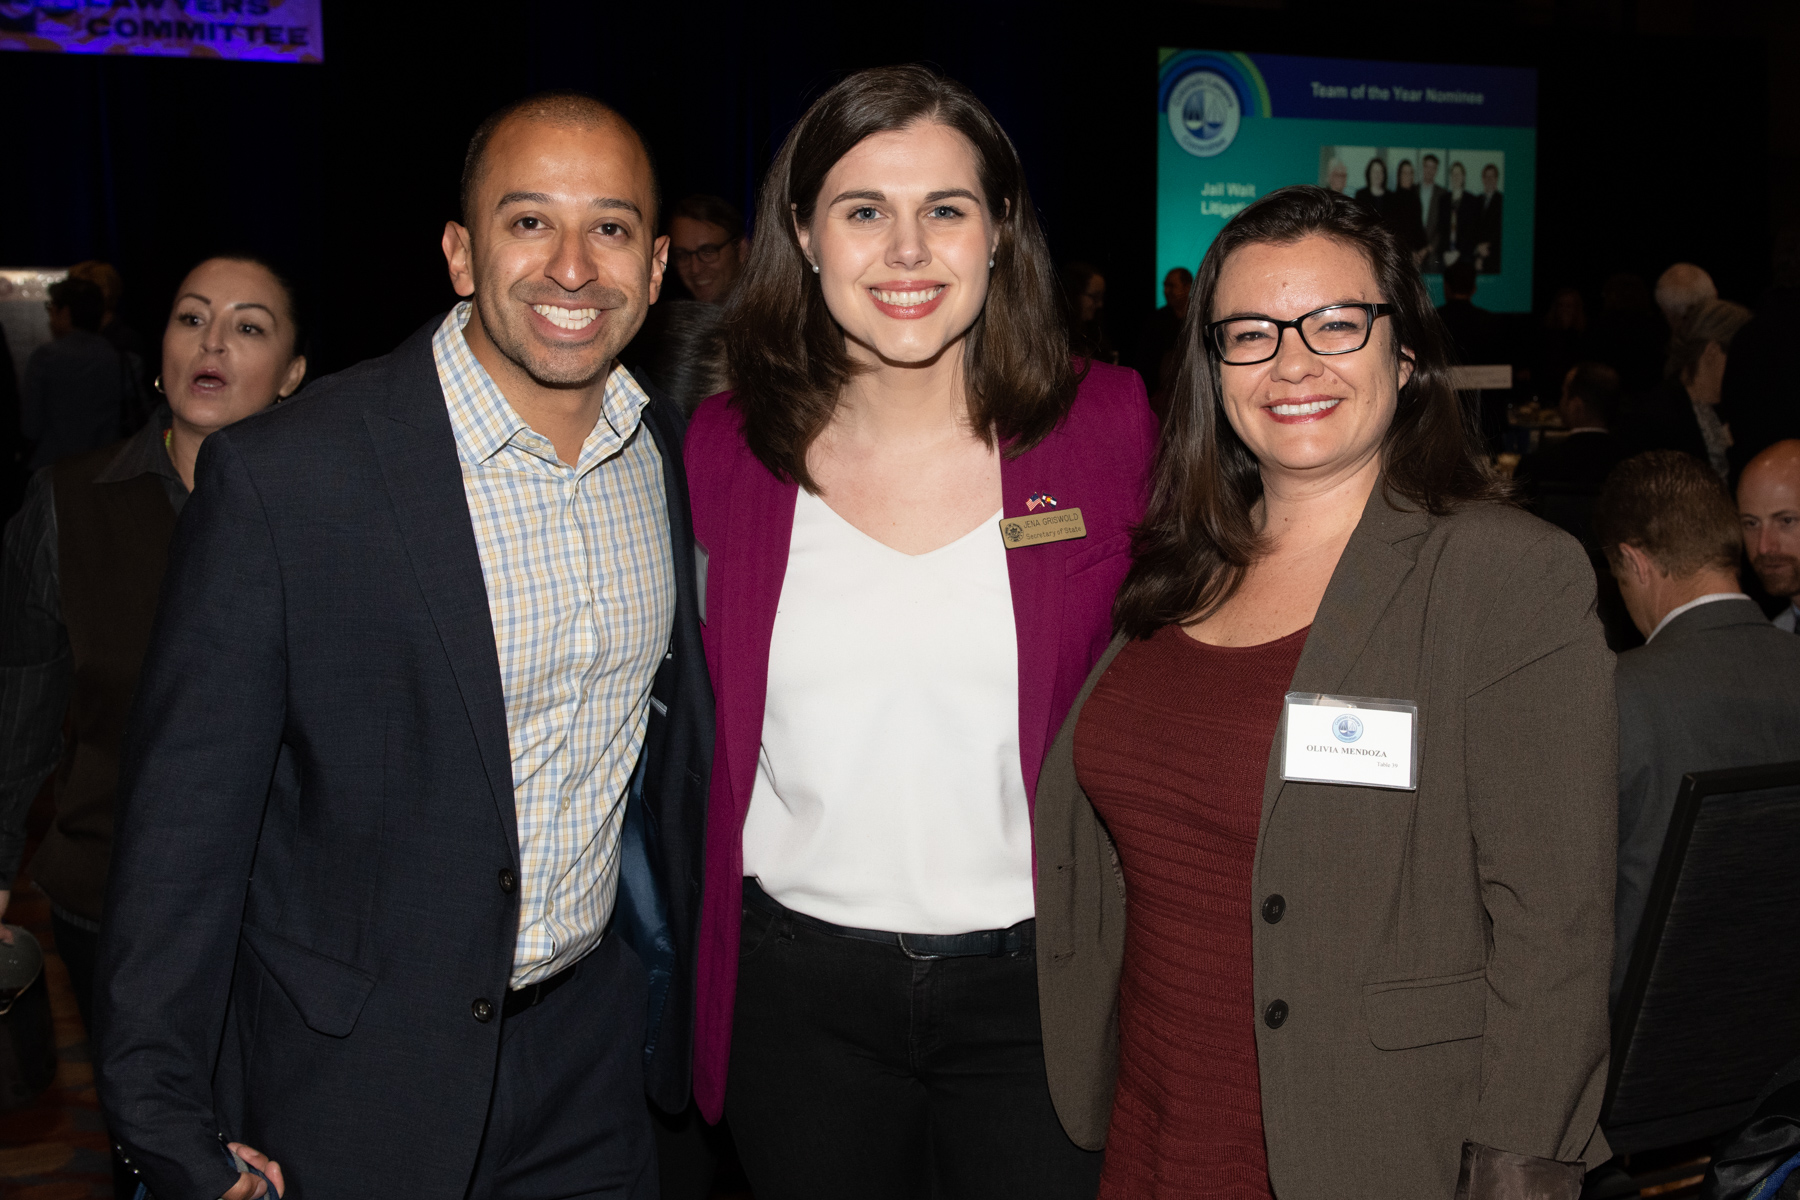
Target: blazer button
{"x":483,"y":1010}
{"x":1276,"y":1014}
{"x":509,"y":881}
{"x":1274,"y":908}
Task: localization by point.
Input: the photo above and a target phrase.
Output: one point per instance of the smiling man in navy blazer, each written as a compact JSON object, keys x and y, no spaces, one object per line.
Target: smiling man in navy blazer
{"x":408,"y":870}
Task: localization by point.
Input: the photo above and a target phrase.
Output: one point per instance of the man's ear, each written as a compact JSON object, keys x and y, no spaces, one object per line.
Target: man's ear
{"x":459,"y":254}
{"x":1643,"y":568}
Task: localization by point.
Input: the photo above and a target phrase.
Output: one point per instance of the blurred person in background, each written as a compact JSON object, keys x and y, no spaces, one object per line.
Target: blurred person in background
{"x":1404,"y":215}
{"x":1714,"y":686}
{"x":1337,"y":177}
{"x":140,"y":400}
{"x":1431,"y":206}
{"x":1456,"y":233}
{"x":1680,"y":288}
{"x":1157,"y":360}
{"x":1490,"y":226}
{"x":76,"y":385}
{"x":1581,"y":460}
{"x":707,"y":246}
{"x":1629,"y":334}
{"x":1374,"y":194}
{"x":687,"y":358}
{"x":81,"y":569}
{"x":1561,"y":343}
{"x":1477,"y":338}
{"x":1683,"y":413}
{"x":1769,"y":510}
{"x":1085,"y":289}
{"x":1561,"y":481}
{"x":1760,"y":398}
{"x":1284,"y":980}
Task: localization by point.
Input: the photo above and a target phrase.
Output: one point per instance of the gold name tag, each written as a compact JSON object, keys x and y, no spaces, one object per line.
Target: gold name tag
{"x":1039,"y":528}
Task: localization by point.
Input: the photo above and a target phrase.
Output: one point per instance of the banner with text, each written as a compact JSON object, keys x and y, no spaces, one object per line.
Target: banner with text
{"x":1445,"y":154}
{"x":255,"y":30}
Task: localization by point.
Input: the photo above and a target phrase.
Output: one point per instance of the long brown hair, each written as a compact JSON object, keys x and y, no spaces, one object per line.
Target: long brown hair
{"x":786,"y":353}
{"x":1199,"y":535}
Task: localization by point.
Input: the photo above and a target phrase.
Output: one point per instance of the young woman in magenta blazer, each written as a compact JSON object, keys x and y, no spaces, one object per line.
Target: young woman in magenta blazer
{"x":914,"y":513}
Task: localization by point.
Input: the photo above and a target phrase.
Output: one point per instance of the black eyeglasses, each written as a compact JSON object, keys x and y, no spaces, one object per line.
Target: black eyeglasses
{"x":1334,"y":329}
{"x":708,"y":254}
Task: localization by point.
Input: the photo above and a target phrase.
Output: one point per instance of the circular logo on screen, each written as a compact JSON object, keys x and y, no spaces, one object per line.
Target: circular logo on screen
{"x":1346,"y":728}
{"x":1204,"y":111}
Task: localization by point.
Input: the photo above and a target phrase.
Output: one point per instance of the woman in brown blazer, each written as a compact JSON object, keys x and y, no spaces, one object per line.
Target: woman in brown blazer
{"x":1372,"y":962}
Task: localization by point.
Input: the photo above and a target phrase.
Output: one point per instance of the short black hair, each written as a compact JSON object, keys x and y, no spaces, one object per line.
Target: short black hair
{"x":713,"y":210}
{"x":1596,"y":385}
{"x":1430,"y":158}
{"x":1459,"y":278}
{"x":1181,"y":271}
{"x":558,"y":108}
{"x":84,"y":300}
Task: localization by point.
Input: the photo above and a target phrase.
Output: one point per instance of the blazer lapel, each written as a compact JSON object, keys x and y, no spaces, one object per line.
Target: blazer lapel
{"x":761,"y":531}
{"x":1035,"y":574}
{"x":417,"y":453}
{"x":1371,"y":570}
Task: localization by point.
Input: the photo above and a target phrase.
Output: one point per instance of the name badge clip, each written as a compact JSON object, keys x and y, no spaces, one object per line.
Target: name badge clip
{"x":1362,"y":741}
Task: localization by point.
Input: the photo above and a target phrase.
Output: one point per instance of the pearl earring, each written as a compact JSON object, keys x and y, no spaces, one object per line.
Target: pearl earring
{"x":815,"y":268}
{"x":990,"y":264}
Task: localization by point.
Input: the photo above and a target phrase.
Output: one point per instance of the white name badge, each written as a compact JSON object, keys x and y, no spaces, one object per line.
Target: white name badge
{"x":1350,"y":739}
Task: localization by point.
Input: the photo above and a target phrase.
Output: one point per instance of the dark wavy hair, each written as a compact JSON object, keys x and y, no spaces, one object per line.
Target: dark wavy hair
{"x":785,"y":352}
{"x":1199,"y":533}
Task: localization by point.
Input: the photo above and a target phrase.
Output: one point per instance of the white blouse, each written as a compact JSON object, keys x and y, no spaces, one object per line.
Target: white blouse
{"x":888,"y":792}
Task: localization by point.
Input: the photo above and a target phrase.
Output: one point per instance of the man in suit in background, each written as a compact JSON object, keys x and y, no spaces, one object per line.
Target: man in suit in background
{"x":408,"y":871}
{"x":1578,"y":464}
{"x":1431,"y":205}
{"x":1714,"y":686}
{"x":1769,"y":507}
{"x":1488,"y":222}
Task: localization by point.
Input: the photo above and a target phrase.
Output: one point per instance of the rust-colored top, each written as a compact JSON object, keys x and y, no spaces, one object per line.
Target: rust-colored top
{"x":1172,"y":749}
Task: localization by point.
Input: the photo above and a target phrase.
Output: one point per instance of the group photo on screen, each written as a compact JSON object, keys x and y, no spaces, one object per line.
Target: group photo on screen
{"x":1444,"y":204}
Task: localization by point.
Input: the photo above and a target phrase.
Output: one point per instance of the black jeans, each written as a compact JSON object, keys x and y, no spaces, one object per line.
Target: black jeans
{"x":858,"y":1071}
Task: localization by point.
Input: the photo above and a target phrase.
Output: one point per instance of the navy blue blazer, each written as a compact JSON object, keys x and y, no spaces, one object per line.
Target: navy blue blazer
{"x":316,"y":811}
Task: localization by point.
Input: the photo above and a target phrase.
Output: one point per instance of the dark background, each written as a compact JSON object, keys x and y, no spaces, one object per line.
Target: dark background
{"x":1665,"y":128}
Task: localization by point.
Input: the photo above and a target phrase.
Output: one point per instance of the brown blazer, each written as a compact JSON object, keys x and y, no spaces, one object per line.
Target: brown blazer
{"x":1443,"y":954}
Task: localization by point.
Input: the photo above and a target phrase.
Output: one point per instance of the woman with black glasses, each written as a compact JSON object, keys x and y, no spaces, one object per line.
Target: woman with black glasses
{"x":1354,"y":746}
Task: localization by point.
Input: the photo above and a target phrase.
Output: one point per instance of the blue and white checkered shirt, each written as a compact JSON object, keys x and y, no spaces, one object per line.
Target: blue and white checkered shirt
{"x":581,"y":588}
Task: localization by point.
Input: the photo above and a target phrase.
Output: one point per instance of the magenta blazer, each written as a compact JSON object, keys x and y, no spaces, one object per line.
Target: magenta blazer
{"x":1097,"y":460}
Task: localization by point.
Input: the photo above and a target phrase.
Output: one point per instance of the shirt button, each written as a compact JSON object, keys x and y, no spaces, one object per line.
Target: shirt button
{"x":508,"y":881}
{"x":1276,"y":1014}
{"x":1274,"y":908}
{"x":565,"y":804}
{"x":483,"y":1009}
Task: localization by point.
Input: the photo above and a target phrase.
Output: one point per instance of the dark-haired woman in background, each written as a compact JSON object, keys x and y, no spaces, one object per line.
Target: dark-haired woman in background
{"x":1374,"y":194}
{"x":1084,"y":291}
{"x":83,"y":564}
{"x":1377,"y":987}
{"x":80,"y":573}
{"x":915,"y":510}
{"x":1403,"y":214}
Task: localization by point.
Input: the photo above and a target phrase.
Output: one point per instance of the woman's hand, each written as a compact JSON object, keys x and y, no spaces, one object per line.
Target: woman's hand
{"x":248,"y":1186}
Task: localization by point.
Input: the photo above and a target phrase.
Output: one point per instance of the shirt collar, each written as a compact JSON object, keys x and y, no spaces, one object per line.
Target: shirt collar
{"x":482,"y":419}
{"x":143,"y":453}
{"x":1696,"y":602}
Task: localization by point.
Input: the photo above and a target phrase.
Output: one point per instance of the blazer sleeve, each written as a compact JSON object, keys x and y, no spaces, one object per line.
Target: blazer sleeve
{"x":199,"y":756}
{"x":1541,"y":758}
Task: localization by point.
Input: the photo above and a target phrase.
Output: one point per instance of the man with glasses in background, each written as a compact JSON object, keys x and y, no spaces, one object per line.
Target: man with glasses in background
{"x":707,"y":246}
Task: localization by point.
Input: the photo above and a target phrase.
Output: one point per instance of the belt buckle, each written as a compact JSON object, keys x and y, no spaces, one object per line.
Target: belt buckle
{"x":916,"y":955}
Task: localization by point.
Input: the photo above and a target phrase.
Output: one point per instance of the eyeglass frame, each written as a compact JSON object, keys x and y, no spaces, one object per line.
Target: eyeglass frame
{"x":1375,"y":312}
{"x":677,"y":255}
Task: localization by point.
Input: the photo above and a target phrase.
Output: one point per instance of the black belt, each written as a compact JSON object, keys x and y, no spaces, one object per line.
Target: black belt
{"x":990,"y":942}
{"x":520,"y":999}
